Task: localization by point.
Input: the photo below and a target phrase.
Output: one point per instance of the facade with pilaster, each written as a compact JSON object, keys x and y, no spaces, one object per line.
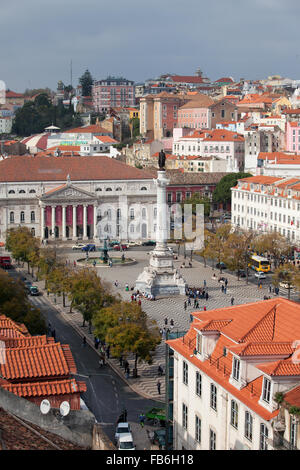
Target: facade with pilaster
{"x":71,"y":198}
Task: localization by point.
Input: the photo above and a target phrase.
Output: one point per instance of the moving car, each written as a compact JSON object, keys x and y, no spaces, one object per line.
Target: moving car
{"x":122,"y":429}
{"x":78,"y":246}
{"x":221,"y":265}
{"x":260,"y":275}
{"x":27,"y":284}
{"x":149,"y":243}
{"x":125,"y":442}
{"x":89,"y":247}
{"x":33,"y":290}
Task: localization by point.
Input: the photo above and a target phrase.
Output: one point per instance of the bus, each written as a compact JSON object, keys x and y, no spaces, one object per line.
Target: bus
{"x":259,"y":263}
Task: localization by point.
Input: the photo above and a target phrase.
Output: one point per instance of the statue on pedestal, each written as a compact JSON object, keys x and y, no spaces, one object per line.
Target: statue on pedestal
{"x":161,"y":160}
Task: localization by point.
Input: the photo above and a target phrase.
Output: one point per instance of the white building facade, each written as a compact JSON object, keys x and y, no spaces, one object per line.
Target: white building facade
{"x":266,"y":204}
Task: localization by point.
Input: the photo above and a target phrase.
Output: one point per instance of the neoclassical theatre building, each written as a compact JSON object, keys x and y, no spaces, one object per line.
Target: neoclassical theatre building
{"x":71,"y":198}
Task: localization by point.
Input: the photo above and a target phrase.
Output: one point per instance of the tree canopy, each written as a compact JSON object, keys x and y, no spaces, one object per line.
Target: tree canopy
{"x":222,"y":193}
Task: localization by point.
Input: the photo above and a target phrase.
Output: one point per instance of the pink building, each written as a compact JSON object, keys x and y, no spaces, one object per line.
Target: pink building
{"x":292,"y":143}
{"x":195,"y":113}
{"x":113,"y":93}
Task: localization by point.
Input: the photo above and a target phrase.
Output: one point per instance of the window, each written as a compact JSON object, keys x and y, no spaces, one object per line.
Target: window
{"x":143,"y":188}
{"x":212,"y":440}
{"x":98,"y":189}
{"x":118,"y":188}
{"x":266,"y":395}
{"x":184,"y":416}
{"x":11,"y":191}
{"x":198,"y":384}
{"x":32,"y":191}
{"x":293,"y":432}
{"x":264,"y":433}
{"x":32,"y":216}
{"x":213,"y":397}
{"x":248,"y":425}
{"x":185,"y":377}
{"x":21,"y":191}
{"x":131,"y":214}
{"x":22,"y":216}
{"x":108,"y":189}
{"x":199,"y":343}
{"x":236,"y":369}
{"x":234,"y":414}
{"x":11,"y":217}
{"x":197,"y":428}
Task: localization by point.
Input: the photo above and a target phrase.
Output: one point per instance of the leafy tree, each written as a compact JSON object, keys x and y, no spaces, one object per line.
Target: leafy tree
{"x":22,"y":244}
{"x":48,"y":260}
{"x":273,"y":243}
{"x":216,"y":243}
{"x":222,"y":192}
{"x":59,"y":280}
{"x":88,"y":293}
{"x":198,"y":199}
{"x":286,"y":273}
{"x":126,"y":328}
{"x":237,"y":251}
{"x":86,"y":81}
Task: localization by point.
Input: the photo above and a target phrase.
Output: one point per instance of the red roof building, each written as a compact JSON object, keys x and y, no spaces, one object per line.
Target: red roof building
{"x":227,"y":370}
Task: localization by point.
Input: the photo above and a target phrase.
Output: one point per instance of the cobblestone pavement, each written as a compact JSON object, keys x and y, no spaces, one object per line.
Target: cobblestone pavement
{"x":171,"y":308}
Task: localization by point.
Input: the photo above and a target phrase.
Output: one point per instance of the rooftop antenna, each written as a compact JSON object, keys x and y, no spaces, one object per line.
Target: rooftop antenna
{"x":71,"y":72}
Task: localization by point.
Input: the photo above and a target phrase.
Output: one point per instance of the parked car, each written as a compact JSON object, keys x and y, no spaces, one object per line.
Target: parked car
{"x":89,"y":247}
{"x":113,"y":243}
{"x":78,"y":246}
{"x":260,"y":275}
{"x":149,"y":243}
{"x":125,"y":442}
{"x":33,"y":290}
{"x":122,"y":429}
{"x":221,"y":265}
{"x":27,"y":284}
{"x":159,"y":438}
{"x":118,"y":247}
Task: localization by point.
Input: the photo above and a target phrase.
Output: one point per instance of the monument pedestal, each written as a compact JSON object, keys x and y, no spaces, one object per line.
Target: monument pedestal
{"x":161,"y":277}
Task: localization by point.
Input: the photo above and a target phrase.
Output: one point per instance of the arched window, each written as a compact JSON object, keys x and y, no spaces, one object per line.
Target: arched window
{"x":98,"y":189}
{"x":118,"y":188}
{"x":22,"y":216}
{"x":108,"y":189}
{"x":32,"y":216}
{"x":11,"y":217}
{"x":32,"y":191}
{"x":143,"y":188}
{"x":21,"y":191}
{"x":131,"y":214}
{"x":11,"y":191}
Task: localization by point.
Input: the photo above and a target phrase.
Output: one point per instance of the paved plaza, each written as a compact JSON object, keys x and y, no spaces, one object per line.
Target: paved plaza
{"x":161,"y":308}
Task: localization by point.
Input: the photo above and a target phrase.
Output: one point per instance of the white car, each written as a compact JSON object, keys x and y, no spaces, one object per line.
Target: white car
{"x":125,"y":442}
{"x":260,"y":275}
{"x":78,"y":246}
{"x":122,"y":429}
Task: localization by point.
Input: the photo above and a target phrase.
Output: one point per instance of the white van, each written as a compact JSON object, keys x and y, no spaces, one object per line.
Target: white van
{"x":125,"y":442}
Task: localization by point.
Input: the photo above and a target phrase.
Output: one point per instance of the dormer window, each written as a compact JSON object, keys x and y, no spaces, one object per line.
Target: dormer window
{"x":199,"y":343}
{"x":266,"y":391}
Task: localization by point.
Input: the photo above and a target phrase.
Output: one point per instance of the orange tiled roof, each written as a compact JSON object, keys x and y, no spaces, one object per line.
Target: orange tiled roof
{"x":92,"y":129}
{"x":7,"y":323}
{"x":49,"y":360}
{"x":263,"y":328}
{"x":293,"y":397}
{"x":38,"y":389}
{"x":24,"y":342}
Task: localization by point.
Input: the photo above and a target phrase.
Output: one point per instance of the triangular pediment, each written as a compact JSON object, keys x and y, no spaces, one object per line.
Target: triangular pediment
{"x":67,"y":192}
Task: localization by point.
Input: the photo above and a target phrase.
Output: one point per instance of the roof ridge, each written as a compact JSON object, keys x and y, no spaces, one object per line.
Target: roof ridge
{"x":259,"y":322}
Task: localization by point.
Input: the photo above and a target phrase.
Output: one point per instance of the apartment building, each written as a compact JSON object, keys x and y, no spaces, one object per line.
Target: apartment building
{"x":219,"y":143}
{"x":293,"y":137}
{"x":228,"y":371}
{"x":267,"y":203}
{"x":112,"y":92}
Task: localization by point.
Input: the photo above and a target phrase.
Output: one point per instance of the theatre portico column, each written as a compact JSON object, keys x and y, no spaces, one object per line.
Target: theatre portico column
{"x":64,"y":223}
{"x":42,"y":221}
{"x":52,"y":221}
{"x":95,"y":234}
{"x":85,"y":222}
{"x":74,"y":236}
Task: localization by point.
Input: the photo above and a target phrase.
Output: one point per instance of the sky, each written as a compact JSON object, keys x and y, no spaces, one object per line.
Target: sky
{"x":140,"y":39}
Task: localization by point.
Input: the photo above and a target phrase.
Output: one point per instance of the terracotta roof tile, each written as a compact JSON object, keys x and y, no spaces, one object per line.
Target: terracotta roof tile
{"x":37,"y":389}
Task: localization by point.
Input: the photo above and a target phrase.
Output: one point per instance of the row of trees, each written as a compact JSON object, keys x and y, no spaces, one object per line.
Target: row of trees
{"x":122,"y":325}
{"x":234,"y":248}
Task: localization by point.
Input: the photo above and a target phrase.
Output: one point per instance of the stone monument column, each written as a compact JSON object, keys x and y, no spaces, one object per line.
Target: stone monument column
{"x":162,"y":211}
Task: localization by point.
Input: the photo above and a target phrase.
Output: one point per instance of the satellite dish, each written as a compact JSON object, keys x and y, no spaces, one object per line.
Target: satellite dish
{"x":64,"y":408}
{"x":45,"y":407}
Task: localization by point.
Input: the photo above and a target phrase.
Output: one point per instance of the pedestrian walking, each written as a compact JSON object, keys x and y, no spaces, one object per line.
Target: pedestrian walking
{"x":204,"y":308}
{"x":189,"y":301}
{"x":84,"y":341}
{"x":108,"y":351}
{"x":158,"y":386}
{"x":222,"y":288}
{"x":270,"y":288}
{"x":172,"y":322}
{"x":160,"y":370}
{"x":125,"y":415}
{"x":121,"y":360}
{"x":166,"y":321}
{"x":206,"y":295}
{"x":226,"y":282}
{"x":142,"y":418}
{"x":232,"y":300}
{"x":74,"y":263}
{"x":139,"y":302}
{"x":204,"y":283}
{"x":191,"y":317}
{"x":225,"y":290}
{"x":185,"y":305}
